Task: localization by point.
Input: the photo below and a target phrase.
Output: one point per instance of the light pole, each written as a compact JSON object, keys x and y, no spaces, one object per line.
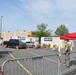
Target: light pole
{"x":1,"y":26}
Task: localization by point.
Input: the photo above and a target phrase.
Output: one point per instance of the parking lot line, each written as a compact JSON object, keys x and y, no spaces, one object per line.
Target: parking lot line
{"x":48,"y":58}
{"x":20,"y":64}
{"x":44,"y":57}
{"x":48,"y":51}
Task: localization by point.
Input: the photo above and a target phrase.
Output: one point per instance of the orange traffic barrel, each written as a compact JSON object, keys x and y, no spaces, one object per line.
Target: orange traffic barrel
{"x":47,"y":47}
{"x":28,"y":49}
{"x":17,"y":48}
{"x":35,"y":47}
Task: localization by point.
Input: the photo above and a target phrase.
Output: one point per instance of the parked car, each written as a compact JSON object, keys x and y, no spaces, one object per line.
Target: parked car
{"x":14,"y":43}
{"x":1,"y":41}
{"x":30,"y":44}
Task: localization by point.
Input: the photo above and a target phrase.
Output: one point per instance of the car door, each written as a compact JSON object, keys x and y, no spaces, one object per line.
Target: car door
{"x":11,"y":42}
{"x":28,"y":44}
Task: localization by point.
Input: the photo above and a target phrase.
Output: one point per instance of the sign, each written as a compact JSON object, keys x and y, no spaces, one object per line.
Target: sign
{"x":48,"y":39}
{"x":22,"y":38}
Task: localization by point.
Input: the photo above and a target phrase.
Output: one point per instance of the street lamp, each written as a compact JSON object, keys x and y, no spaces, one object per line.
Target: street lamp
{"x":1,"y":26}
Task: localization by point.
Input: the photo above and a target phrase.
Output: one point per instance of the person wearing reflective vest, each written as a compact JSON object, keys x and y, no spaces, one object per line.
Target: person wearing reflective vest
{"x":67,"y":53}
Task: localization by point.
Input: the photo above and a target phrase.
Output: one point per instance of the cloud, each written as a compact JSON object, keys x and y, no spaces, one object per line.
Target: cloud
{"x":47,"y":9}
{"x":52,"y":12}
{"x":66,"y":7}
{"x":39,"y":9}
{"x":40,"y":6}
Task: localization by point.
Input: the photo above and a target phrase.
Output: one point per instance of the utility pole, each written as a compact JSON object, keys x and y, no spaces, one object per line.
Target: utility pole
{"x":1,"y":27}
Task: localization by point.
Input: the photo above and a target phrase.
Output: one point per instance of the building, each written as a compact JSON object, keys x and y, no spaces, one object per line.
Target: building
{"x":28,"y":36}
{"x":24,"y":36}
{"x":53,"y":40}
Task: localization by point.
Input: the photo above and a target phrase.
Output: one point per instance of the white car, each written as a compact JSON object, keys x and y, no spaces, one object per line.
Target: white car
{"x":30,"y":44}
{"x":1,"y":41}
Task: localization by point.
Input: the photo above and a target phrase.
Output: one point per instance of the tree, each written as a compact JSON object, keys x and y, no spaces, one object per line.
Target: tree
{"x":61,"y":30}
{"x":42,"y":31}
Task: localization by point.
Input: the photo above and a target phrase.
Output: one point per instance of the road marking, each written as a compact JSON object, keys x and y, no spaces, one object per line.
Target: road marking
{"x":44,"y":57}
{"x":36,"y":55}
{"x":48,"y":58}
{"x":20,"y":64}
{"x":48,"y":52}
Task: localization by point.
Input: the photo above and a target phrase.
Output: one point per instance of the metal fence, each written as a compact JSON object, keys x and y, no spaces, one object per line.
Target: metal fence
{"x":42,"y":65}
{"x":72,"y":69}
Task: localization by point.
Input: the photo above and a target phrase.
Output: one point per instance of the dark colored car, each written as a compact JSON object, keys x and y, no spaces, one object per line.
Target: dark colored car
{"x":14,"y":43}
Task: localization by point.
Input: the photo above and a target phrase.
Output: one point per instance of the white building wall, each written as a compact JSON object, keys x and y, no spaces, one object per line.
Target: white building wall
{"x":34,"y":39}
{"x":52,"y":41}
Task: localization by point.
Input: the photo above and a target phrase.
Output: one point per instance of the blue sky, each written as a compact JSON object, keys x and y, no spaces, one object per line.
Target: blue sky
{"x":19,"y":15}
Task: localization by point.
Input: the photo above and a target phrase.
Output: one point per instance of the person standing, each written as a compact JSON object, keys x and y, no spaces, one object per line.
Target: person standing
{"x":67,"y":53}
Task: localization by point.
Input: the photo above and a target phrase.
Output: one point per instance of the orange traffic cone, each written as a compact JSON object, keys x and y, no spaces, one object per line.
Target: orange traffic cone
{"x":28,"y":49}
{"x":47,"y":47}
{"x":17,"y":48}
{"x":35,"y":47}
{"x":4,"y":46}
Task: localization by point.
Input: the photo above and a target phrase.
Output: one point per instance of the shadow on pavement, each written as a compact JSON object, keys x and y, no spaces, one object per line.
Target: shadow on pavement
{"x":4,"y":53}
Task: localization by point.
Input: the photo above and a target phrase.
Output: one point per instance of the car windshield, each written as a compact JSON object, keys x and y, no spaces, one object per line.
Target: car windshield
{"x":30,"y":42}
{"x":33,"y":42}
{"x":20,"y":41}
{"x":27,"y":42}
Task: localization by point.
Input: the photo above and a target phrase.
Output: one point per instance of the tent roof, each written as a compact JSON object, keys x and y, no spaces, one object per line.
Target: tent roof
{"x":70,"y":36}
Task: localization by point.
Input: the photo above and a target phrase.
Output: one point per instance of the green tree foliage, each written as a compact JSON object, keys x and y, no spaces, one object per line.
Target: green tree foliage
{"x":42,"y":31}
{"x":61,"y":30}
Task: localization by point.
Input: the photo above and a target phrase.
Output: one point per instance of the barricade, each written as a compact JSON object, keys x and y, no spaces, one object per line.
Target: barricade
{"x":28,"y":49}
{"x":42,"y":65}
{"x":72,"y":69}
{"x":35,"y":47}
{"x":47,"y":47}
{"x":17,"y":48}
{"x":1,"y":73}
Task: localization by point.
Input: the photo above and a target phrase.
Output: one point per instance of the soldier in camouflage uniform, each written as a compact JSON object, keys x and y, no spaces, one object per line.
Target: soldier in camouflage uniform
{"x":67,"y":54}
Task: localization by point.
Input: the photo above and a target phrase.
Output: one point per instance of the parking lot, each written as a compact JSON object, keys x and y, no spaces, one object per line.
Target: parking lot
{"x":11,"y":53}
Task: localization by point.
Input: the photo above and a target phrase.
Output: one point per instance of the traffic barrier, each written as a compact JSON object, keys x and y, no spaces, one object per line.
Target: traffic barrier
{"x":4,"y":46}
{"x":35,"y":47}
{"x":47,"y":47}
{"x":17,"y":48}
{"x":42,"y":65}
{"x":28,"y":49}
{"x":30,"y":66}
{"x":1,"y":73}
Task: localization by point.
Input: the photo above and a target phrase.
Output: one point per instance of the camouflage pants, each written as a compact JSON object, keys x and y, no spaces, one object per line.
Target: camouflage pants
{"x":67,"y":59}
